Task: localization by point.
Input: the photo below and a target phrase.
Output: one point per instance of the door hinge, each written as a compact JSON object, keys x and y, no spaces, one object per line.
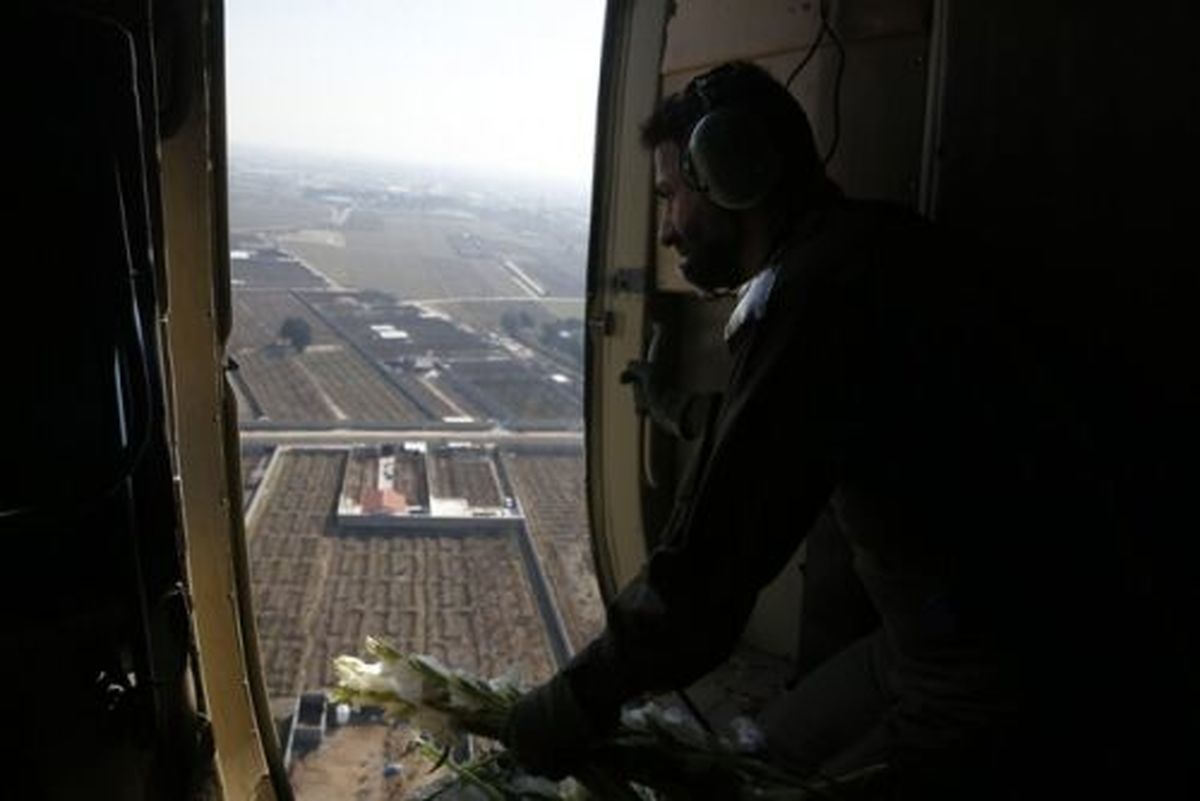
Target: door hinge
{"x":601,"y":325}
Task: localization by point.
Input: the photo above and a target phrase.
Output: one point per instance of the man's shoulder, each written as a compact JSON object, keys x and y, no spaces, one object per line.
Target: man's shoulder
{"x":843,"y":233}
{"x":879,"y":216}
{"x":853,"y":255}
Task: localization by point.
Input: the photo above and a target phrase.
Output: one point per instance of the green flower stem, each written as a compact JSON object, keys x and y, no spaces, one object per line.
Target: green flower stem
{"x":467,"y":772}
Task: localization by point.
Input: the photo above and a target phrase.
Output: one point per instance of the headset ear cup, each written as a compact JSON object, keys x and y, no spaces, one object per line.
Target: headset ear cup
{"x":732,"y":158}
{"x":687,"y":170}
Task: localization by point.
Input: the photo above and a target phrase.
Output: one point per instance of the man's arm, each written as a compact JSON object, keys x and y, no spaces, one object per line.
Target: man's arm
{"x":683,"y":614}
{"x":769,"y":471}
{"x":763,"y":483}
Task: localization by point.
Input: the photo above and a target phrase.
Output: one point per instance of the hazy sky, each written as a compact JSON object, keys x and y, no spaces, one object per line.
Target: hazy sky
{"x":500,"y":84}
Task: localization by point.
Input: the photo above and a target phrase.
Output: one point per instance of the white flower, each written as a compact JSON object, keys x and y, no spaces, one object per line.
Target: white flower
{"x":393,"y":678}
{"x":361,"y":677}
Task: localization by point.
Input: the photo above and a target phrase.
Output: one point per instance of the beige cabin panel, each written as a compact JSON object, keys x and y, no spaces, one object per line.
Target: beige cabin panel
{"x":706,"y":32}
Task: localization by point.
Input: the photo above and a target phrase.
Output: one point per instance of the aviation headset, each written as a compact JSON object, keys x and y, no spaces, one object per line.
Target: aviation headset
{"x":730,"y":155}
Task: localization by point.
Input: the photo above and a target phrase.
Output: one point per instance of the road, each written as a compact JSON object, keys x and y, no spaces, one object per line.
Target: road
{"x":347,"y":436}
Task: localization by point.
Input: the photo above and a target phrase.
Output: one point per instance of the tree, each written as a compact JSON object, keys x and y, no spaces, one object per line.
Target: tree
{"x":297,"y":331}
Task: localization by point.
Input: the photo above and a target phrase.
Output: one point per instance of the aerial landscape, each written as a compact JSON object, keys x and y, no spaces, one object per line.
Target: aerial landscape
{"x":407,"y":359}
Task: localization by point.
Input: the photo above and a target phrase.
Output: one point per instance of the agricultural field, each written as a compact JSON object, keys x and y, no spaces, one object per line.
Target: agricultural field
{"x":324,"y":250}
{"x":328,"y":382}
{"x":469,"y":474}
{"x":270,"y":269}
{"x":258,"y":318}
{"x":468,"y":254}
{"x":486,"y":315}
{"x":465,"y":600}
{"x":410,"y":258}
{"x":290,"y":550}
{"x":425,"y":389}
{"x":271,"y":204}
{"x":518,"y":396}
{"x":358,"y":389}
{"x":411,"y":331}
{"x":319,"y":592}
{"x":549,"y":484}
{"x":280,"y":388}
{"x":361,"y":467}
{"x":422,"y":255}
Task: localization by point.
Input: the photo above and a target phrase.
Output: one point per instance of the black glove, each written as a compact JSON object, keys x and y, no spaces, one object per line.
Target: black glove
{"x":548,"y":731}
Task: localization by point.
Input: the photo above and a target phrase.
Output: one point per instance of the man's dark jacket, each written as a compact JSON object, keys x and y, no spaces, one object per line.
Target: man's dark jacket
{"x":901,"y":378}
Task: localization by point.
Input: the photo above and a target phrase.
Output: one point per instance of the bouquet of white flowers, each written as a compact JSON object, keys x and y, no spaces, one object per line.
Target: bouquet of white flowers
{"x":653,"y":753}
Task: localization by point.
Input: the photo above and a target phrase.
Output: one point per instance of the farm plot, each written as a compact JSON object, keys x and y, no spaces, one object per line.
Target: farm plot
{"x":468,"y":474}
{"x":322,"y":249}
{"x":487,"y":314}
{"x":361,"y":472}
{"x":258,"y":317}
{"x":390,"y":332}
{"x":550,"y":487}
{"x":519,"y":395}
{"x":258,"y":205}
{"x":289,"y":554}
{"x":270,"y":268}
{"x":328,"y":382}
{"x":549,"y":245}
{"x":410,"y":258}
{"x":282,"y":388}
{"x":465,"y":600}
{"x":358,"y":389}
{"x":421,"y":386}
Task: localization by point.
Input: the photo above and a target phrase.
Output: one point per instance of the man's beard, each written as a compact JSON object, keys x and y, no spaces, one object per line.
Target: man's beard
{"x":710,"y":260}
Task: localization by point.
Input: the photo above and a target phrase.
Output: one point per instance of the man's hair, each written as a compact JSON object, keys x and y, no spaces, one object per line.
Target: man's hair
{"x":742,"y":85}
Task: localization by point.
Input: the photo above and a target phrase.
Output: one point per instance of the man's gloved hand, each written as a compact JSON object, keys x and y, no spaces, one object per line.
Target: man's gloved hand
{"x":548,"y":731}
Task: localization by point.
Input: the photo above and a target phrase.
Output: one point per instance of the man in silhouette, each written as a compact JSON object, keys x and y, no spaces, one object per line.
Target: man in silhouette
{"x":883,"y":369}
